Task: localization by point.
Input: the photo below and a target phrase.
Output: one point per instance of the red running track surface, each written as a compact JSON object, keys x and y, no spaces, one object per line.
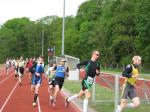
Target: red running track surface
{"x":21,"y":98}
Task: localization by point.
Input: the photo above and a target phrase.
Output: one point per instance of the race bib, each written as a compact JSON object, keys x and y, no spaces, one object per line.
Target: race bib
{"x":90,"y":80}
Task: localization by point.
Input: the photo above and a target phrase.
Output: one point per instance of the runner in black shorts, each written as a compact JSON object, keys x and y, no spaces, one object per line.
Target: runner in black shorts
{"x":21,"y":65}
{"x":131,"y":74}
{"x":51,"y":78}
{"x":60,"y":73}
{"x":92,"y":68}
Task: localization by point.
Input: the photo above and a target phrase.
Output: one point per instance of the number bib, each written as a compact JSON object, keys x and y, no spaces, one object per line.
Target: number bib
{"x":90,"y":80}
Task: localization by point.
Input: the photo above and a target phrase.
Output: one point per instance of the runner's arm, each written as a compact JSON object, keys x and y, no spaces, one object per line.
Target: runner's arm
{"x":81,"y":64}
{"x":67,"y":72}
{"x":98,"y":70}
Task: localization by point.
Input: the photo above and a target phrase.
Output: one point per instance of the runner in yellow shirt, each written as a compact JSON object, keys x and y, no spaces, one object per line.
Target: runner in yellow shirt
{"x":130,"y":73}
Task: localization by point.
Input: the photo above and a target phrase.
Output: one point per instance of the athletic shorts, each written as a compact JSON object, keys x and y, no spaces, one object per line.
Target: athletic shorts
{"x":21,"y":70}
{"x":59,"y":81}
{"x":87,"y":83}
{"x":36,"y":80}
{"x":16,"y":68}
{"x":51,"y":82}
{"x":128,"y":92}
{"x":7,"y":67}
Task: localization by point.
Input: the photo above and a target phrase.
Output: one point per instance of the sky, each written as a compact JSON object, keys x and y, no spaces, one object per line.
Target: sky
{"x":35,"y":9}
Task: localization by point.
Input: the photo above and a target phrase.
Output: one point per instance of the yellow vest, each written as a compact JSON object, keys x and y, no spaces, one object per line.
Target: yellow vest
{"x":132,"y":80}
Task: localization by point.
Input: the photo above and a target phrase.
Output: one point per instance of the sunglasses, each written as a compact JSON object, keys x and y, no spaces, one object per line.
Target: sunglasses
{"x":97,"y":54}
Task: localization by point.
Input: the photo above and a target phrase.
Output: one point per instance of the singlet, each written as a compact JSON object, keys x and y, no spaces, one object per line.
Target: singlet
{"x":21,"y":63}
{"x":39,"y":68}
{"x":134,"y":72}
{"x":7,"y":64}
{"x":50,"y":72}
{"x":60,"y":71}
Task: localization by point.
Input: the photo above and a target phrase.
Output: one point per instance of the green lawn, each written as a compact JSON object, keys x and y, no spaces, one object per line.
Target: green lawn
{"x":102,"y":93}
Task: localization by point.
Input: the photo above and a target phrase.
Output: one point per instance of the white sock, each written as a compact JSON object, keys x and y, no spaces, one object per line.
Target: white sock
{"x":118,"y":108}
{"x":72,"y":97}
{"x":130,"y":105}
{"x":50,"y":97}
{"x":85,"y":105}
{"x":54,"y":98}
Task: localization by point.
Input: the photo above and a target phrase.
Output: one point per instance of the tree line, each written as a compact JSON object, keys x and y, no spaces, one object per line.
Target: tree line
{"x":119,"y":29}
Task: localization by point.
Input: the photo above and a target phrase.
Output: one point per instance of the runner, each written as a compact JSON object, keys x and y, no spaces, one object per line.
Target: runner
{"x":16,"y":68}
{"x":28,"y":67}
{"x":60,"y":74}
{"x":37,"y":78}
{"x":92,"y":68}
{"x":32,"y":69}
{"x":26,"y":71}
{"x":8,"y":64}
{"x":130,"y":73}
{"x":51,"y":75}
{"x":21,"y":69}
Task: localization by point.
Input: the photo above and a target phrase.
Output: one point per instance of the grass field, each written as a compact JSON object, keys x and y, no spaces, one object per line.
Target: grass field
{"x":74,"y":87}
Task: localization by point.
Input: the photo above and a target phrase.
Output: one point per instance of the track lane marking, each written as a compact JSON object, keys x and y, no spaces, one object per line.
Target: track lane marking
{"x":8,"y":97}
{"x":38,"y":101}
{"x":5,"y":79}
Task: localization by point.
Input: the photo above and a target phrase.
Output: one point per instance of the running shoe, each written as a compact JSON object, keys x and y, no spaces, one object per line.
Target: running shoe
{"x":54,"y":104}
{"x":20,"y":84}
{"x":51,"y":100}
{"x":34,"y":104}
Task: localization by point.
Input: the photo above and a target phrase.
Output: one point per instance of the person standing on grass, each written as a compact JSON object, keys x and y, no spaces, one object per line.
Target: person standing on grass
{"x":21,"y":65}
{"x":131,"y":73}
{"x":60,"y":73}
{"x":37,"y":78}
{"x":92,"y":68}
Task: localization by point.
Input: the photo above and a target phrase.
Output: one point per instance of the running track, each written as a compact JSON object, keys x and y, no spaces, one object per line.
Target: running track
{"x":16,"y":98}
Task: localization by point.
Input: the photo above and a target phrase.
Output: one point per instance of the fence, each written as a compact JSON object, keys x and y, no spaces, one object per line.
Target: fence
{"x":108,"y":88}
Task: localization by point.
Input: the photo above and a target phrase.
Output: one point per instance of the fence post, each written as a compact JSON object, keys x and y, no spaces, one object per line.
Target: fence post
{"x":116,"y":91}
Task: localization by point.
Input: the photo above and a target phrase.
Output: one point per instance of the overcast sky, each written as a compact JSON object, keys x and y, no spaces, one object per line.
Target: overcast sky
{"x":35,"y":9}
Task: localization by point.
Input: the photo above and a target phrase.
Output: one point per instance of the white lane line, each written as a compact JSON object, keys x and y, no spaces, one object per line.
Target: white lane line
{"x":39,"y":108}
{"x":5,"y":79}
{"x":9,"y":97}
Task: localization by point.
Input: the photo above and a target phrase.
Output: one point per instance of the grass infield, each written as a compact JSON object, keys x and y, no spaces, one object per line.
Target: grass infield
{"x":102,"y":93}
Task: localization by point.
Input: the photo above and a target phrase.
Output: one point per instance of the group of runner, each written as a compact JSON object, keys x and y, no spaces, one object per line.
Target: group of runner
{"x":57,"y":72}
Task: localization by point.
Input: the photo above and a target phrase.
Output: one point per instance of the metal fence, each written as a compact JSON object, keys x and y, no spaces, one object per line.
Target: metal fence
{"x":109,"y":88}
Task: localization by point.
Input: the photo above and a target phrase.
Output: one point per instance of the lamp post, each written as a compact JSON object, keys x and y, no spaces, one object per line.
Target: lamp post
{"x":63,"y":28}
{"x":42,"y":40}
